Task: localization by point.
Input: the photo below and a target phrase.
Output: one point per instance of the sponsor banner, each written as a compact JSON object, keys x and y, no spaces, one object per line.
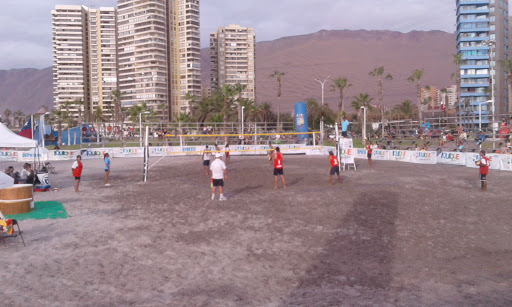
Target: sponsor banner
{"x":316,"y":151}
{"x":27,"y":156}
{"x":129,"y":152}
{"x":8,"y":156}
{"x":346,"y":155}
{"x":400,"y":155}
{"x":63,"y":154}
{"x":423,"y":157}
{"x":452,"y":158}
{"x":345,"y":143}
{"x":158,"y":151}
{"x":360,"y":153}
{"x":97,"y":153}
{"x":472,"y":158}
{"x":378,"y":154}
{"x":506,"y":162}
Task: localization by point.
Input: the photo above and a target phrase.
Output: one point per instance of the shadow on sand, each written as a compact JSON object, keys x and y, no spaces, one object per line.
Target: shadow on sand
{"x":355,"y":267}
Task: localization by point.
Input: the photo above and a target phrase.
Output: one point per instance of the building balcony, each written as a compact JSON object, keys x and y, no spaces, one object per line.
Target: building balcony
{"x":471,"y":2}
{"x":472,"y":39}
{"x":473,"y":30}
{"x":475,"y":76}
{"x":476,"y":57}
{"x":473,"y":48}
{"x":473,"y":95}
{"x":474,"y":66}
{"x":468,"y":85}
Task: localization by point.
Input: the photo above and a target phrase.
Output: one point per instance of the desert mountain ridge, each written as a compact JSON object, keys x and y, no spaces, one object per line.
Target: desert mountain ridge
{"x":349,"y":54}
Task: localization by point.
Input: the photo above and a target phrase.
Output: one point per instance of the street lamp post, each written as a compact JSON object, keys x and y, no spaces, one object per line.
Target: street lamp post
{"x":140,"y":126}
{"x":364,"y":125}
{"x":492,"y":44}
{"x":243,"y":120}
{"x":322,"y":120}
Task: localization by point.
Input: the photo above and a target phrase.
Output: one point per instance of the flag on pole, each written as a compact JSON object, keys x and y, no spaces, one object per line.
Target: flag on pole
{"x":26,"y":130}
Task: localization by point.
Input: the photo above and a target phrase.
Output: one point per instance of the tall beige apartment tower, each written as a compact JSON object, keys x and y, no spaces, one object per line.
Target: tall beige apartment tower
{"x":84,"y":60}
{"x":159,"y":54}
{"x":185,"y":54}
{"x":232,"y":58}
{"x":102,"y":28}
{"x":69,"y":40}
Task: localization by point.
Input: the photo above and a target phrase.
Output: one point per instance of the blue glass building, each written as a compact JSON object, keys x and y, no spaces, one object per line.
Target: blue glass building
{"x":482,"y":30}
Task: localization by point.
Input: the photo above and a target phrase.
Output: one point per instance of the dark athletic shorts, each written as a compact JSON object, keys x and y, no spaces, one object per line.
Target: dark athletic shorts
{"x":206,"y":162}
{"x":369,"y":156}
{"x":77,"y":178}
{"x":278,"y":171}
{"x":344,"y":134}
{"x":218,"y":182}
{"x":106,"y":170}
{"x":483,"y":177}
{"x":335,"y":170}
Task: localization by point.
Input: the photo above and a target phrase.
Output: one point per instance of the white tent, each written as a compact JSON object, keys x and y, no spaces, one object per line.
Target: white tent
{"x":6,"y":181}
{"x":11,"y":139}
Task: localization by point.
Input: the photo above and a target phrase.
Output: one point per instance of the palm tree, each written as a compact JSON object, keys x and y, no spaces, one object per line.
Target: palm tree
{"x":250,"y":109}
{"x":363,"y":100}
{"x":60,"y":116}
{"x":7,"y":114}
{"x":316,"y":112}
{"x":407,"y":109}
{"x":265,"y":113}
{"x":115,"y":95}
{"x":416,"y":77}
{"x":224,"y":99}
{"x":458,"y":61}
{"x":340,"y":85}
{"x":278,"y":76}
{"x":379,"y":74}
{"x":507,"y":66}
{"x":19,"y":117}
{"x":79,"y":103}
{"x":238,"y":90}
{"x":201,"y":109}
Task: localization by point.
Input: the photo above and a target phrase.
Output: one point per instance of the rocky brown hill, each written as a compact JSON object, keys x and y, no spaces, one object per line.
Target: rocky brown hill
{"x":25,"y":89}
{"x":339,"y":53}
{"x":352,"y":55}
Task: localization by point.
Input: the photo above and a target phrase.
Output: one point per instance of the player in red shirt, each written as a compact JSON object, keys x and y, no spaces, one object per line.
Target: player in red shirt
{"x":278,"y":167}
{"x":484,"y":163}
{"x":76,"y":170}
{"x":369,"y":155}
{"x":334,"y":167}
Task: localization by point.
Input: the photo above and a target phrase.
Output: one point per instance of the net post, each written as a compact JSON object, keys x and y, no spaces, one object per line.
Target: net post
{"x":314,"y":139}
{"x":181,"y":141}
{"x":146,"y":155}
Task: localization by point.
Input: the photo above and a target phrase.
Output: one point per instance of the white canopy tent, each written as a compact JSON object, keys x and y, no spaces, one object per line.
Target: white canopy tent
{"x":11,"y":139}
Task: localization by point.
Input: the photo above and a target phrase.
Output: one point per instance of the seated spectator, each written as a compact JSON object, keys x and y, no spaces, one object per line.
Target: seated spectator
{"x":27,"y":174}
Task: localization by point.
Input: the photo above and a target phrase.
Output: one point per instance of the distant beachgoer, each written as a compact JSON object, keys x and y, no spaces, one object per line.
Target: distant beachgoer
{"x":484,"y":164}
{"x":226,"y":149}
{"x":219,"y":173}
{"x":278,"y":167}
{"x":334,"y":167}
{"x":76,"y":170}
{"x":106,"y":162}
{"x":205,"y":156}
{"x":369,"y":155}
{"x":270,"y":154}
{"x":344,"y":127}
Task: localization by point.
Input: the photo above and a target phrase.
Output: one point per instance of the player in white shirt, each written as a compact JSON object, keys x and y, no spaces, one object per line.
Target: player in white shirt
{"x":219,"y":173}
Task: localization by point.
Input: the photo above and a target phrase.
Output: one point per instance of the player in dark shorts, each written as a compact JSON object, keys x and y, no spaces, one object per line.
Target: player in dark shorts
{"x":369,"y":155}
{"x":226,"y":152}
{"x":334,"y":167}
{"x":205,"y":156}
{"x":483,"y":163}
{"x":278,"y":167}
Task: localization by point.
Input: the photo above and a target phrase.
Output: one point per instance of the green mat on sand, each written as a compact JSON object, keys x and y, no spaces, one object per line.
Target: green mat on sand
{"x":42,"y":210}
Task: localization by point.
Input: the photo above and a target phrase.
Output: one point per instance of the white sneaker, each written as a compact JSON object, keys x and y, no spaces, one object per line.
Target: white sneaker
{"x":213,"y":196}
{"x":222,"y":198}
{"x":108,"y":184}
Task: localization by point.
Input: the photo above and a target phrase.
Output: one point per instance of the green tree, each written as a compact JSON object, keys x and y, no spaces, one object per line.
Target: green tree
{"x":416,"y":77}
{"x":224,"y":100}
{"x":278,"y":76}
{"x":379,"y":73}
{"x":59,"y":117}
{"x":7,"y":114}
{"x":340,"y":85}
{"x":79,"y":103}
{"x":200,"y":109}
{"x":115,"y":95}
{"x":507,"y":66}
{"x":265,"y":113}
{"x":407,"y":109}
{"x":363,"y":100}
{"x":19,"y":118}
{"x":316,"y":112}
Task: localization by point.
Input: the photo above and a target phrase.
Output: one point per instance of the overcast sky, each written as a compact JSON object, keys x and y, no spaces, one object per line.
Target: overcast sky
{"x":25,"y":25}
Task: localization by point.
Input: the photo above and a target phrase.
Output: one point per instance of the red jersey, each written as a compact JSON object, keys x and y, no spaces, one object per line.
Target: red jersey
{"x":370,"y":149}
{"x":333,"y":161}
{"x":484,"y":167}
{"x":78,"y":170}
{"x":278,"y":161}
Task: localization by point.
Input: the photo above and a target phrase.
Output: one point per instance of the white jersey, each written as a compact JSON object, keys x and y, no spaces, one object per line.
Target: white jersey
{"x":217,"y":167}
{"x":206,"y":156}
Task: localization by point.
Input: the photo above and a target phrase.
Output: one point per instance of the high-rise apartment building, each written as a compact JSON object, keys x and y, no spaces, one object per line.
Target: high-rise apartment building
{"x":184,"y":54}
{"x":102,"y":28}
{"x":159,"y":54}
{"x":482,"y":40}
{"x":69,"y":40}
{"x":232,"y":57}
{"x":84,"y":59}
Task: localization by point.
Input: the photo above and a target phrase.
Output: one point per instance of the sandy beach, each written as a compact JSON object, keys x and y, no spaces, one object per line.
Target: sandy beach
{"x":402,"y":235}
